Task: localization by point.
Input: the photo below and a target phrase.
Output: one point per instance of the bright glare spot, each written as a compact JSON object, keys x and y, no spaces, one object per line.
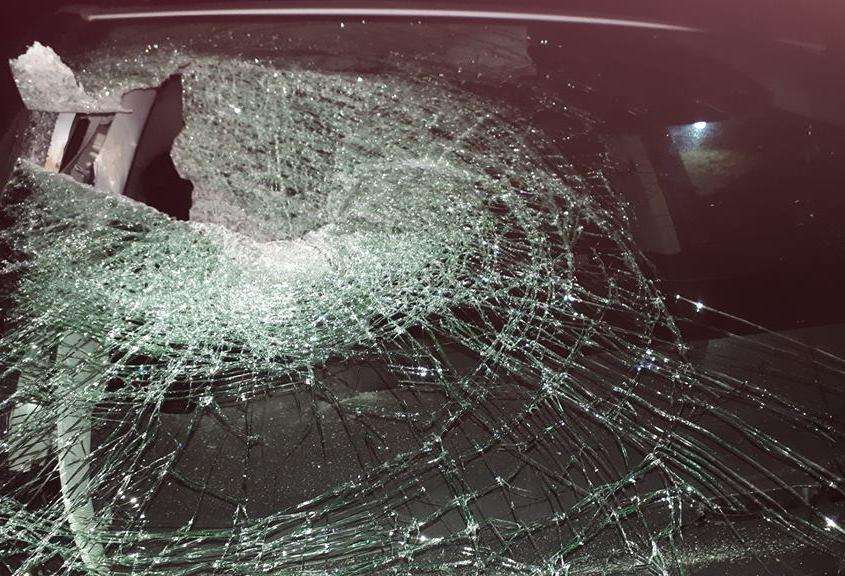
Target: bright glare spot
{"x":700,"y":125}
{"x":699,"y":306}
{"x":830,"y":523}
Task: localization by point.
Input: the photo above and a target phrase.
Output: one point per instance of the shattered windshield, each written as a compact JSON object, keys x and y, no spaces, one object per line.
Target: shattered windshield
{"x":394,"y":298}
